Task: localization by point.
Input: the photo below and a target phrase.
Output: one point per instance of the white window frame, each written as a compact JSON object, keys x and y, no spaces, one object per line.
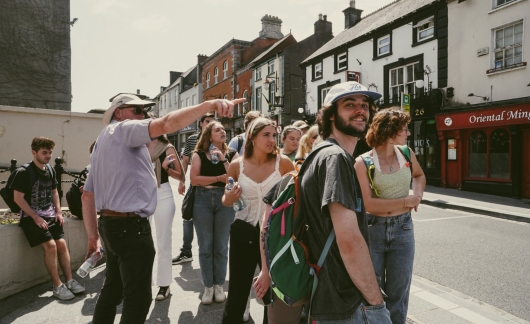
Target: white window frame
{"x":381,"y":46}
{"x":342,"y":58}
{"x":193,"y":100}
{"x":187,"y":102}
{"x":406,"y":85}
{"x":207,"y":80}
{"x":511,"y":51}
{"x":501,"y":3}
{"x":424,"y":29}
{"x":215,"y":75}
{"x":182,"y":104}
{"x":243,"y":107}
{"x":323,"y":93}
{"x":270,"y":67}
{"x":258,"y":99}
{"x":258,"y":74}
{"x":225,"y":70}
{"x":318,"y":71}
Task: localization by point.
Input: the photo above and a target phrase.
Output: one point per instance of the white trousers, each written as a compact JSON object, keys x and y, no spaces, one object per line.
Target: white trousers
{"x":163,"y":221}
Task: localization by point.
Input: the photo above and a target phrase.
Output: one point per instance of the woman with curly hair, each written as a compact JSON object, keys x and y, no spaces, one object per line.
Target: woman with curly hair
{"x":211,"y":219}
{"x":388,"y":205}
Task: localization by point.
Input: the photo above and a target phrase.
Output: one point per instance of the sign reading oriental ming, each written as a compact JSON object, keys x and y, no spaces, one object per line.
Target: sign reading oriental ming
{"x":512,"y":115}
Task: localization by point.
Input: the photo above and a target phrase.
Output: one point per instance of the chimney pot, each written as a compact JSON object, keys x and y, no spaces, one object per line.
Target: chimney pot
{"x":325,"y":17}
{"x":320,"y":16}
{"x":137,"y":91}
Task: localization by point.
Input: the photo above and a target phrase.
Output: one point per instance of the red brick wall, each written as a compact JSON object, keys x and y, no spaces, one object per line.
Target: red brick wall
{"x":224,"y":86}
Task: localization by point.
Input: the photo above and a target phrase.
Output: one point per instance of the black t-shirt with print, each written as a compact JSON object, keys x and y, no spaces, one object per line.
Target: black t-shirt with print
{"x":38,"y":194}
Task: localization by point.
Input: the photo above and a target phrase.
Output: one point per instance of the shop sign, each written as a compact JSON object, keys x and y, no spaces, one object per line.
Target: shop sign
{"x":405,"y":103}
{"x":484,"y":118}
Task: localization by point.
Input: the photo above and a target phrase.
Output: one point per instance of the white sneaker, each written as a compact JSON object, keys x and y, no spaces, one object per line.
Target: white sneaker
{"x":219,"y":294}
{"x":207,"y":297}
{"x":74,"y":286}
{"x":246,"y":314}
{"x":63,"y":293}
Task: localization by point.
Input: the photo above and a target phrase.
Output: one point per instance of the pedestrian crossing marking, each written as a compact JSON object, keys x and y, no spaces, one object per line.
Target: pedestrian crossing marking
{"x":436,"y":300}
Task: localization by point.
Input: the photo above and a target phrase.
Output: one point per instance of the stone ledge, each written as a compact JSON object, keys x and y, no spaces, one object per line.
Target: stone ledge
{"x":23,"y":267}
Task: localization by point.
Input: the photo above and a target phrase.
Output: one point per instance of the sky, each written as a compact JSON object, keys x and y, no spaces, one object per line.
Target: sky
{"x":125,"y":45}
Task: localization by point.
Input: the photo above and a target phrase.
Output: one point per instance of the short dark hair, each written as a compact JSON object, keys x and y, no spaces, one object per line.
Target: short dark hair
{"x":42,"y":142}
{"x":386,"y":124}
{"x":326,"y":112}
{"x":206,"y":116}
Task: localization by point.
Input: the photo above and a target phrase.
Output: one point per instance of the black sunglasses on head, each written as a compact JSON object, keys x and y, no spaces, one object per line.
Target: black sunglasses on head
{"x":138,"y":110}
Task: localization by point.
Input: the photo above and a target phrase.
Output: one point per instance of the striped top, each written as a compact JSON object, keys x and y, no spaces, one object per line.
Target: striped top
{"x":191,"y":142}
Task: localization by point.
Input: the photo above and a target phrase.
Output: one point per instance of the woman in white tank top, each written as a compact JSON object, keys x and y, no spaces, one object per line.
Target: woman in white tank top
{"x":256,"y":172}
{"x":388,"y":211}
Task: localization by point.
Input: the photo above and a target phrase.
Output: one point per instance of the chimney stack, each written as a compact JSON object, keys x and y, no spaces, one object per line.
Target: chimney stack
{"x":271,"y":27}
{"x":137,"y":91}
{"x":201,"y":58}
{"x":323,"y":25}
{"x":351,"y":15}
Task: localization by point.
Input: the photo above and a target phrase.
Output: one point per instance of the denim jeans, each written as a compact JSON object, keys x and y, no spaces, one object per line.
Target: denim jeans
{"x":130,"y":253}
{"x":392,"y":250}
{"x":365,"y":315}
{"x":187,"y":236}
{"x":212,"y":223}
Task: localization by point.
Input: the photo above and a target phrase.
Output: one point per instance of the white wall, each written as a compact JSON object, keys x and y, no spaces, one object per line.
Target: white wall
{"x":470,"y":29}
{"x":372,"y":71}
{"x":278,"y":67}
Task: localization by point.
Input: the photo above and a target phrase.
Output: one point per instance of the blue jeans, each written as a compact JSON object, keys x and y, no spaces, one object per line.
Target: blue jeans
{"x":130,"y":253}
{"x":365,"y":314}
{"x":187,"y":236}
{"x":212,"y":223}
{"x":392,"y":250}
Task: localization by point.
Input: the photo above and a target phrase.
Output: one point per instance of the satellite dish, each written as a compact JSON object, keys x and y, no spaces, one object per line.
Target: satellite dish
{"x":420,"y":84}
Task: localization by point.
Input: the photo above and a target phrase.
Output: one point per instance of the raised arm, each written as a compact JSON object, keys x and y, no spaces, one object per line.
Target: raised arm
{"x":181,"y":118}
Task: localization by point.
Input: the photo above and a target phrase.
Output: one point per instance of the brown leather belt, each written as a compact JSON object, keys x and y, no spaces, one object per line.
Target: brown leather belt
{"x":112,"y":213}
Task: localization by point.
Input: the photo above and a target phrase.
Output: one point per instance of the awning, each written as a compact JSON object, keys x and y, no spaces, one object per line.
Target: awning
{"x":423,"y":22}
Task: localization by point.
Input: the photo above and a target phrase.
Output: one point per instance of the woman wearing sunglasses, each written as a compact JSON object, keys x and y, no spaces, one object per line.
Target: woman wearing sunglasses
{"x":388,"y":205}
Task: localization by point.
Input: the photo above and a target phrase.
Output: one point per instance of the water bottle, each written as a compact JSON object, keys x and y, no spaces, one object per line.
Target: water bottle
{"x":239,"y":204}
{"x":215,"y":158}
{"x":90,"y":263}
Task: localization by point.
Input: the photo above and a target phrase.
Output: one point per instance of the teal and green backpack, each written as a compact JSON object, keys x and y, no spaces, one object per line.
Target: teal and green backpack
{"x":369,"y":162}
{"x":293,"y":277}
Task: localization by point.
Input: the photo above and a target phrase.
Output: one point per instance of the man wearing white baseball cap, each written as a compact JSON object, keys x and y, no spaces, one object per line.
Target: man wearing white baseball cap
{"x":331,"y":199}
{"x":121,"y":185}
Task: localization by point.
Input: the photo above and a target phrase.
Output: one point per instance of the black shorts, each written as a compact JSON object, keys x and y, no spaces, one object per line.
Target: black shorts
{"x":36,"y":235}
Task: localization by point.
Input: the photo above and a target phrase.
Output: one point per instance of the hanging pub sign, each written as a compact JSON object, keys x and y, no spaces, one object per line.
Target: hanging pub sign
{"x":353,"y":76}
{"x":518,"y":114}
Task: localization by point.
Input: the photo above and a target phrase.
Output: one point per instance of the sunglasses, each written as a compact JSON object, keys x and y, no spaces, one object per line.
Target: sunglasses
{"x":138,"y":110}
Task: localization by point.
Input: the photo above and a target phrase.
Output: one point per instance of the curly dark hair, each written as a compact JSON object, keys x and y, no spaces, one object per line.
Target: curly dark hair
{"x":326,"y":112}
{"x":386,"y":124}
{"x":42,"y":142}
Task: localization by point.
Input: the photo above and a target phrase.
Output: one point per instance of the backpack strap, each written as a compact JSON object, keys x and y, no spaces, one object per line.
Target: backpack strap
{"x":370,"y":167}
{"x":323,"y":255}
{"x":405,"y":150}
{"x":239,"y":142}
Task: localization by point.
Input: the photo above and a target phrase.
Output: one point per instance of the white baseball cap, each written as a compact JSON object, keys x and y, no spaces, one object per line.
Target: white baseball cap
{"x":121,"y":100}
{"x":346,"y":89}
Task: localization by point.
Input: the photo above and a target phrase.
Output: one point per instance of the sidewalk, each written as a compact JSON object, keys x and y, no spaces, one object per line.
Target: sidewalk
{"x":495,"y":206}
{"x":430,"y":303}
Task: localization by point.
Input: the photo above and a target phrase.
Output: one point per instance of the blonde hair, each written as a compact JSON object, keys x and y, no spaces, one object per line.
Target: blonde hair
{"x":305,"y":143}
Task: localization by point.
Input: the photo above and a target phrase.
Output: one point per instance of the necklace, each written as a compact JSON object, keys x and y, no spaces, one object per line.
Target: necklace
{"x":391,"y":162}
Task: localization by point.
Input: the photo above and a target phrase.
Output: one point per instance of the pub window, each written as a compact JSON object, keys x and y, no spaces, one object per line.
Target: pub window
{"x":499,"y":156}
{"x":341,"y":61}
{"x":478,"y":154}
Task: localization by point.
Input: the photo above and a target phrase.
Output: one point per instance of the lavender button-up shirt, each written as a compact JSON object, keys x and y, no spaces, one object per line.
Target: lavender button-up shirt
{"x":121,"y":174}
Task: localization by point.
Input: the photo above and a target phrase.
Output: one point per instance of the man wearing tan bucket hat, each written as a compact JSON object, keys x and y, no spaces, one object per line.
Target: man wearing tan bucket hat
{"x":121,"y":186}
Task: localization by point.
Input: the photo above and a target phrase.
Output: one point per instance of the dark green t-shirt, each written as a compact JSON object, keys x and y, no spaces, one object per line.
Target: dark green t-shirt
{"x":330,"y":177}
